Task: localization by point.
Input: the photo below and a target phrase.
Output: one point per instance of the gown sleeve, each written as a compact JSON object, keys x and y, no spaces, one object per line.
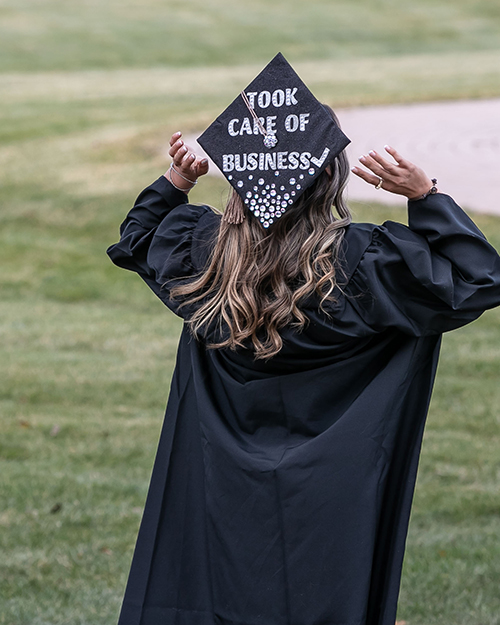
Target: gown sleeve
{"x":163,"y":239}
{"x":435,"y":275}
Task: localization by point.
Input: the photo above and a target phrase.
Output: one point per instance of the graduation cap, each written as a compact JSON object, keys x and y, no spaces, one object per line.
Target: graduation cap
{"x":273,"y":141}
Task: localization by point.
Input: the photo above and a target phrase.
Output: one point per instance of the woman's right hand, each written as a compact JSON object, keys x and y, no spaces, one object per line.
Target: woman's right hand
{"x":401,"y":177}
{"x":186,"y":164}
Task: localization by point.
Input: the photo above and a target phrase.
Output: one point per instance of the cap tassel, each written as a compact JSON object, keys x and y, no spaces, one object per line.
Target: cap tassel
{"x":235,"y":210}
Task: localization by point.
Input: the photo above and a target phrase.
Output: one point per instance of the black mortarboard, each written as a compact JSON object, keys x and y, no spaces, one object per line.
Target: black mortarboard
{"x":273,"y":141}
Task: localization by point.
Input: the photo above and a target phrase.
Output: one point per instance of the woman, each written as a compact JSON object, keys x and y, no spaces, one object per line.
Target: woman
{"x":282,"y":486}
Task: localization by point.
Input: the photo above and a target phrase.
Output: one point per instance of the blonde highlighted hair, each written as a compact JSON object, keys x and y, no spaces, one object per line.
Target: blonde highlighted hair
{"x":256,"y":279}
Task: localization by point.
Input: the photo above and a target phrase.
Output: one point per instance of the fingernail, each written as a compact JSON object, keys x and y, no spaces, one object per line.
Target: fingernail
{"x":372,"y":152}
{"x":387,"y":147}
{"x":362,"y":158}
{"x":192,"y":157}
{"x":354,"y":169}
{"x":204,"y":161}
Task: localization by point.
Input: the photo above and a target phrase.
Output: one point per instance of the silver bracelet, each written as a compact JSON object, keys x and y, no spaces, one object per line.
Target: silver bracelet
{"x":193,"y":182}
{"x":169,"y":178}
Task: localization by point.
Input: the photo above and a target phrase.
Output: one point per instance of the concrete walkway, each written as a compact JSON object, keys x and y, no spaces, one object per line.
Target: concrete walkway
{"x":456,"y":142}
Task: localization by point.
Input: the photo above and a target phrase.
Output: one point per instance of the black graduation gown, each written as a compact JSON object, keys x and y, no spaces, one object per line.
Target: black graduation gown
{"x":281,"y":491}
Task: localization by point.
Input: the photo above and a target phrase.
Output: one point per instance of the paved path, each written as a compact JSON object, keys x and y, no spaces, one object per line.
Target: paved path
{"x":456,"y":142}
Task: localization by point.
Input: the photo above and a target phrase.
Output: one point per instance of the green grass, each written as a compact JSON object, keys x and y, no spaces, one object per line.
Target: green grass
{"x":57,"y":35}
{"x":90,"y":94}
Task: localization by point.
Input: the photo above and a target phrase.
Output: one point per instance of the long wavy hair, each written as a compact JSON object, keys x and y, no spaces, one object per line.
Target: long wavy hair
{"x":256,"y":279}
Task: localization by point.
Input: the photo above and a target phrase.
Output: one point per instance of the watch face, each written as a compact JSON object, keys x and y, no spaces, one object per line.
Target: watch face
{"x":433,"y":190}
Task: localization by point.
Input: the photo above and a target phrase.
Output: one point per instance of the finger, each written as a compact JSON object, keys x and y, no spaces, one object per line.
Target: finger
{"x":388,"y":166}
{"x":175,"y":137}
{"x":189,"y":160}
{"x":175,"y":147}
{"x":202,"y":167}
{"x":179,"y":155}
{"x":396,"y":155}
{"x":372,"y":164}
{"x":366,"y":176}
{"x":187,"y":165}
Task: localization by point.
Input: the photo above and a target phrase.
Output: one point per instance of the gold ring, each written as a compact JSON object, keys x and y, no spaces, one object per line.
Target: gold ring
{"x":378,"y":186}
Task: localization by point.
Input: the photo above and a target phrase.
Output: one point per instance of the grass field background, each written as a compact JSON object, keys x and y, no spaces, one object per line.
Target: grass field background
{"x":90,"y":93}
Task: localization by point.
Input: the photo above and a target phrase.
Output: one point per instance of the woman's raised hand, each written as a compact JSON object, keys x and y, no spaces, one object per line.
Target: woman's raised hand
{"x":186,"y":167}
{"x":401,"y":177}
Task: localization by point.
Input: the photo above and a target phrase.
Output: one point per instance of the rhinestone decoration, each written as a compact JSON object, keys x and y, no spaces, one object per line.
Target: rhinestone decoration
{"x":269,"y":201}
{"x":229,"y":177}
{"x":270,"y":141}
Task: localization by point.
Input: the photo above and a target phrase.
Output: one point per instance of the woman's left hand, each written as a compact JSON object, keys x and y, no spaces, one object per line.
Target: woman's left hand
{"x":187,"y":166}
{"x":401,"y":177}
